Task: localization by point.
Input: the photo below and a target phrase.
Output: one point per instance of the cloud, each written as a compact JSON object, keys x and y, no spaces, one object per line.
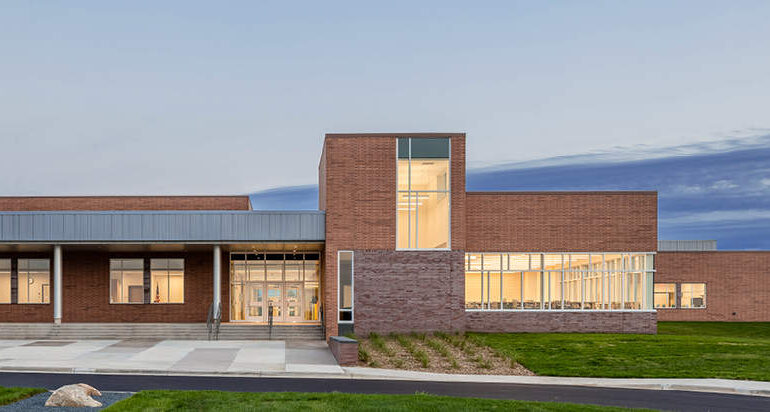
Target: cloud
{"x":718,"y":217}
{"x":708,"y":190}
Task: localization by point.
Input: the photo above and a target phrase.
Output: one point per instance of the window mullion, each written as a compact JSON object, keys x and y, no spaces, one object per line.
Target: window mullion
{"x":409,"y":194}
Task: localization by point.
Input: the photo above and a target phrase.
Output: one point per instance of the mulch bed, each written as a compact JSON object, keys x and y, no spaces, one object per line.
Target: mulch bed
{"x":459,"y":355}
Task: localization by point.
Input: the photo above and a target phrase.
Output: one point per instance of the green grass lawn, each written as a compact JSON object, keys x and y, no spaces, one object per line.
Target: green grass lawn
{"x":679,"y":350}
{"x":288,"y":401}
{"x":11,"y":395}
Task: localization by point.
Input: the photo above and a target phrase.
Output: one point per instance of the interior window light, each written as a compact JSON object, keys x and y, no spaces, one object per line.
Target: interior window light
{"x":423,"y":193}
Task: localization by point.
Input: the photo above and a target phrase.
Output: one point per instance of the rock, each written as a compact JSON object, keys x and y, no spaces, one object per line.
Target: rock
{"x":90,"y":390}
{"x":77,"y":395}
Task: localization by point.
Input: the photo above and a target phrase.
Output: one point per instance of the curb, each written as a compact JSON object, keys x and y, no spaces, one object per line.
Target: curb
{"x":726,"y":386}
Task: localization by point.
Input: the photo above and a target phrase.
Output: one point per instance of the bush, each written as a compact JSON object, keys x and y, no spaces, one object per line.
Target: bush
{"x":379,"y":343}
{"x":418,"y":354}
{"x":363,"y":354}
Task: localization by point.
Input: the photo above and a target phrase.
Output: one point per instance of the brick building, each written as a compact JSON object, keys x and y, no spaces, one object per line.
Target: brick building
{"x":397,"y":245}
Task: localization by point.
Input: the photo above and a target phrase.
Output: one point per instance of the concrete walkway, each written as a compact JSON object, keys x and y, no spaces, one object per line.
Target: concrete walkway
{"x":740,"y":387}
{"x":292,"y":359}
{"x":168,"y":356}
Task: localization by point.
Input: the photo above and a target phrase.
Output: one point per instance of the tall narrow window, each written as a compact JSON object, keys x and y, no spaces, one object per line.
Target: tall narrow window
{"x":423,"y":193}
{"x":34,"y":281}
{"x":345,"y":289}
{"x":126,"y":280}
{"x":167,"y":285}
{"x":5,"y":280}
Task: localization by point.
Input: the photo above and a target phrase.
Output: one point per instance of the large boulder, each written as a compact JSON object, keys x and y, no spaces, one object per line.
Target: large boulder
{"x":77,"y":395}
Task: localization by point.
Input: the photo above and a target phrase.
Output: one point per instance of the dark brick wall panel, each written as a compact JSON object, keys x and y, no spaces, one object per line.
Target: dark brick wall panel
{"x":408,"y":291}
{"x":544,"y":322}
{"x":346,"y":353}
{"x":125,"y":203}
{"x":562,"y":221}
{"x":737,"y":284}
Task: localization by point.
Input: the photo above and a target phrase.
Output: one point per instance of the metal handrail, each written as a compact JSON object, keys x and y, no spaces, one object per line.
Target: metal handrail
{"x":213,"y":320}
{"x":269,"y":321}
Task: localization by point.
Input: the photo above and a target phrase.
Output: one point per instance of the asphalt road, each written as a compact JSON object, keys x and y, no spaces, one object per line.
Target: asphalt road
{"x":662,"y":400}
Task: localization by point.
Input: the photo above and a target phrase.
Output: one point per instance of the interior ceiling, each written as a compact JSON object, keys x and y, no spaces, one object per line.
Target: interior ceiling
{"x":167,"y":247}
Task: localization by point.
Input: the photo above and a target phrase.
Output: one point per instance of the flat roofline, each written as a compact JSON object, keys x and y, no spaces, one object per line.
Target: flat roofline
{"x":399,"y":134}
{"x":717,"y":251}
{"x":116,"y":196}
{"x":563,"y":192}
{"x":162,"y":212}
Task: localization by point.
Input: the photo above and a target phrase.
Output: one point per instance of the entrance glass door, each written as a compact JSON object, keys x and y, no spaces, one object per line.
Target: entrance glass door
{"x":289,"y":283}
{"x":255,"y":302}
{"x":274,"y":301}
{"x":293,"y":302}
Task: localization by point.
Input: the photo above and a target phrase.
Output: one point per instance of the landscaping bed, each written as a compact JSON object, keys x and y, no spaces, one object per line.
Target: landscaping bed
{"x":439,"y":352}
{"x":13,"y":394}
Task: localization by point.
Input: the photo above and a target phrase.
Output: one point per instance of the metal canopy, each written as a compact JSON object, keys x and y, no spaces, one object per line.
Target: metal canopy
{"x":160,"y":226}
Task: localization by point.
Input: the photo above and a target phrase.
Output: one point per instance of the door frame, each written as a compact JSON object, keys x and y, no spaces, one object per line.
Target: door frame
{"x":299,"y":314}
{"x":251,"y":287}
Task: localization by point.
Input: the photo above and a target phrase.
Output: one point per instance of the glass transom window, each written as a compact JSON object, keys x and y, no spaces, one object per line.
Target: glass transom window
{"x":423,"y":193}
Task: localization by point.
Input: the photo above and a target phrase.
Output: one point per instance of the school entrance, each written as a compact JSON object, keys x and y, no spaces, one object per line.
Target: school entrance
{"x":286,"y":284}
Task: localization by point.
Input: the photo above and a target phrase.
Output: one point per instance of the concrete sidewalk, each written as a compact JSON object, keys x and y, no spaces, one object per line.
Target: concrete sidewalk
{"x":167,"y":356}
{"x":755,"y":388}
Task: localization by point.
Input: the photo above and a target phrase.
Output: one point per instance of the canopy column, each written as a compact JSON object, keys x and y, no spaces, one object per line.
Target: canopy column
{"x":217,"y":301}
{"x":57,"y":283}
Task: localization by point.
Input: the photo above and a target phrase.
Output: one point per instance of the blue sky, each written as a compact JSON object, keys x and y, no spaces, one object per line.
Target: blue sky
{"x":706,"y":191}
{"x":193,"y":97}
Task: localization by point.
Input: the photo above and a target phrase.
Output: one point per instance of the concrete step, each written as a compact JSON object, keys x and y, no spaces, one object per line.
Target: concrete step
{"x":152,"y":331}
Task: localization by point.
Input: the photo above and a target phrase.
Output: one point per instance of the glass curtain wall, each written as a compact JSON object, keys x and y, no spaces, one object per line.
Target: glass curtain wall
{"x":286,"y":283}
{"x":423,"y":193}
{"x":558,"y":281}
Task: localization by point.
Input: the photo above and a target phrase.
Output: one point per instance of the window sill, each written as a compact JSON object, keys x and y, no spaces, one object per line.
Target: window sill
{"x":424,"y":250}
{"x":560,"y":310}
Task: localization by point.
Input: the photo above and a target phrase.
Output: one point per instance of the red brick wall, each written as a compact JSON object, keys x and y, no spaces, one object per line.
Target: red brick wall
{"x":562,"y":221}
{"x":357,"y":189}
{"x":408,"y":291}
{"x":86,"y":293}
{"x":28,"y":312}
{"x":737,"y":284}
{"x":125,"y":203}
{"x":544,"y":322}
